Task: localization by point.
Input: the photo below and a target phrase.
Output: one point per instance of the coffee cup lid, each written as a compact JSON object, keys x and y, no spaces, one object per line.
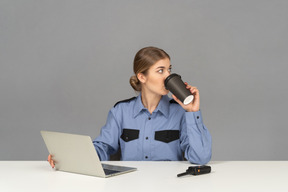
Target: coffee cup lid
{"x":169,"y":77}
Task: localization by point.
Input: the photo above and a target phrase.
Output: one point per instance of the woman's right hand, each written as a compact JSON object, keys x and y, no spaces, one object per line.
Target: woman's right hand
{"x":51,"y":161}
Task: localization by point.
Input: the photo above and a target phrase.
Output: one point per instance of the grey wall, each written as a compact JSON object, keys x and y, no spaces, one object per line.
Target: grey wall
{"x":63,"y":65}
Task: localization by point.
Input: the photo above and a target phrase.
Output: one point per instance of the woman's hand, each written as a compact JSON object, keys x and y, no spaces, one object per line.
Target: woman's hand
{"x":194,"y":106}
{"x":51,"y":161}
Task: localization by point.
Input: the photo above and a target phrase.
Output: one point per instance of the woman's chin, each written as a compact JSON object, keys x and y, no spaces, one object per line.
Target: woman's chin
{"x":165,"y":92}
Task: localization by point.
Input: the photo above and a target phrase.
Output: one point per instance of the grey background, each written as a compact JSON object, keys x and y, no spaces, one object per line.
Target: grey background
{"x":63,"y":65}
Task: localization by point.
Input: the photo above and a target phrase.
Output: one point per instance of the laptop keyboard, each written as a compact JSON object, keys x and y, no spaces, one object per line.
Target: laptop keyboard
{"x":109,"y":171}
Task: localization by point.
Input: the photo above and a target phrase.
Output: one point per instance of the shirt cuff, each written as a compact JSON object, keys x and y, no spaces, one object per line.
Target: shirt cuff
{"x":193,"y":118}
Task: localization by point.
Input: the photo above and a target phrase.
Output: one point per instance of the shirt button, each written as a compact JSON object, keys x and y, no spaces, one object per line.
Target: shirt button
{"x":197,"y":117}
{"x":149,"y":118}
{"x":147,"y":138}
{"x":146,"y":157}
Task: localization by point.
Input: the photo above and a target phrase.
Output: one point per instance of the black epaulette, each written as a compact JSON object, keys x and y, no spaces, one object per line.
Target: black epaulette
{"x":126,"y":100}
{"x":173,"y":101}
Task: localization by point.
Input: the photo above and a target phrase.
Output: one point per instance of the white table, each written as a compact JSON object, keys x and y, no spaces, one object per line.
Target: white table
{"x":151,"y":176}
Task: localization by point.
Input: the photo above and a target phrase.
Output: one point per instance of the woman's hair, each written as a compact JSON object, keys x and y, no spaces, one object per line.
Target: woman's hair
{"x":144,"y":59}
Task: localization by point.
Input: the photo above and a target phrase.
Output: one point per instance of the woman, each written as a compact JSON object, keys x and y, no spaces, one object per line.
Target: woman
{"x":151,"y":126}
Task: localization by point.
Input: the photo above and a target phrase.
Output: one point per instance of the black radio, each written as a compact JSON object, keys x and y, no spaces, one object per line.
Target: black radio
{"x":196,"y":170}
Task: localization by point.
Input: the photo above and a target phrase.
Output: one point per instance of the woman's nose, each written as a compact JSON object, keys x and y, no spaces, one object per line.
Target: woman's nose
{"x":167,"y":73}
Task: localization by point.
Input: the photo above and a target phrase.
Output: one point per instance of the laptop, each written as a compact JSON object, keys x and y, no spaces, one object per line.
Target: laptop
{"x":76,"y":154}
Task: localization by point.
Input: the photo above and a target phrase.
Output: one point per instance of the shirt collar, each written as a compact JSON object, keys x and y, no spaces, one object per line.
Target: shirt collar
{"x":162,"y":107}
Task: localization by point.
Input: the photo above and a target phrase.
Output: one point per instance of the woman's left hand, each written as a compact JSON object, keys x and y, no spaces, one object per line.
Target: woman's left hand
{"x":194,"y":106}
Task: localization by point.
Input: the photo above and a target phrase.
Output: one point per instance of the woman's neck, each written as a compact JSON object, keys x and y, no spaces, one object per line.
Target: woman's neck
{"x":150,"y":101}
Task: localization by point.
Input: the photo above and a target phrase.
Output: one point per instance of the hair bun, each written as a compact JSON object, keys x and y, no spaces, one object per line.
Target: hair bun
{"x":135,"y":83}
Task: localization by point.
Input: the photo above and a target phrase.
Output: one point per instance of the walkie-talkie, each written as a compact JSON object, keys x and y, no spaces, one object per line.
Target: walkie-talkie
{"x":196,"y":170}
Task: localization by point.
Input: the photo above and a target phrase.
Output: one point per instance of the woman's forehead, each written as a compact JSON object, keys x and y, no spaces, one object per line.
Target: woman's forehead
{"x":162,"y":63}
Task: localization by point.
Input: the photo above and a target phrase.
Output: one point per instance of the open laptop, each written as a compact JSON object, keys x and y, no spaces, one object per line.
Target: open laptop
{"x":76,"y":154}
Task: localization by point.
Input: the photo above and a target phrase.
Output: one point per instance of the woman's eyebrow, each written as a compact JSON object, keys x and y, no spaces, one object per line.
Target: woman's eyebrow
{"x":163,"y":67}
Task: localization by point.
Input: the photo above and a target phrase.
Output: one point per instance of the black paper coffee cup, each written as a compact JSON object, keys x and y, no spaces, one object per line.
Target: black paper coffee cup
{"x":176,"y":86}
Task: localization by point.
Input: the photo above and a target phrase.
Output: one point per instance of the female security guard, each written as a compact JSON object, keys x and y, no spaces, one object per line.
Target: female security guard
{"x":151,"y":126}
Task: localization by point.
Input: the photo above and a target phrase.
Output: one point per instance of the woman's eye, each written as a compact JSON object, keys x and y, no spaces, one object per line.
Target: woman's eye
{"x":162,"y":70}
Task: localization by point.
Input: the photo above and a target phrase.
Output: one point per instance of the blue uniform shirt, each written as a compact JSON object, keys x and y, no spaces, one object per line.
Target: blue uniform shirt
{"x":165,"y":135}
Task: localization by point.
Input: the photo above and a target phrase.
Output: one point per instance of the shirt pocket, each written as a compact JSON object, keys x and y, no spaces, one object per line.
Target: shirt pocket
{"x":167,"y":136}
{"x":129,"y":134}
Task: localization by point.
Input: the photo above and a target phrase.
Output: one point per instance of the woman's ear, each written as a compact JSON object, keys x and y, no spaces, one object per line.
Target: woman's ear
{"x":141,"y":77}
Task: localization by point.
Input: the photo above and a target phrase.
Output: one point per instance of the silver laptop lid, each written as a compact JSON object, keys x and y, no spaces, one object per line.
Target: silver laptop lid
{"x":73,"y":153}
